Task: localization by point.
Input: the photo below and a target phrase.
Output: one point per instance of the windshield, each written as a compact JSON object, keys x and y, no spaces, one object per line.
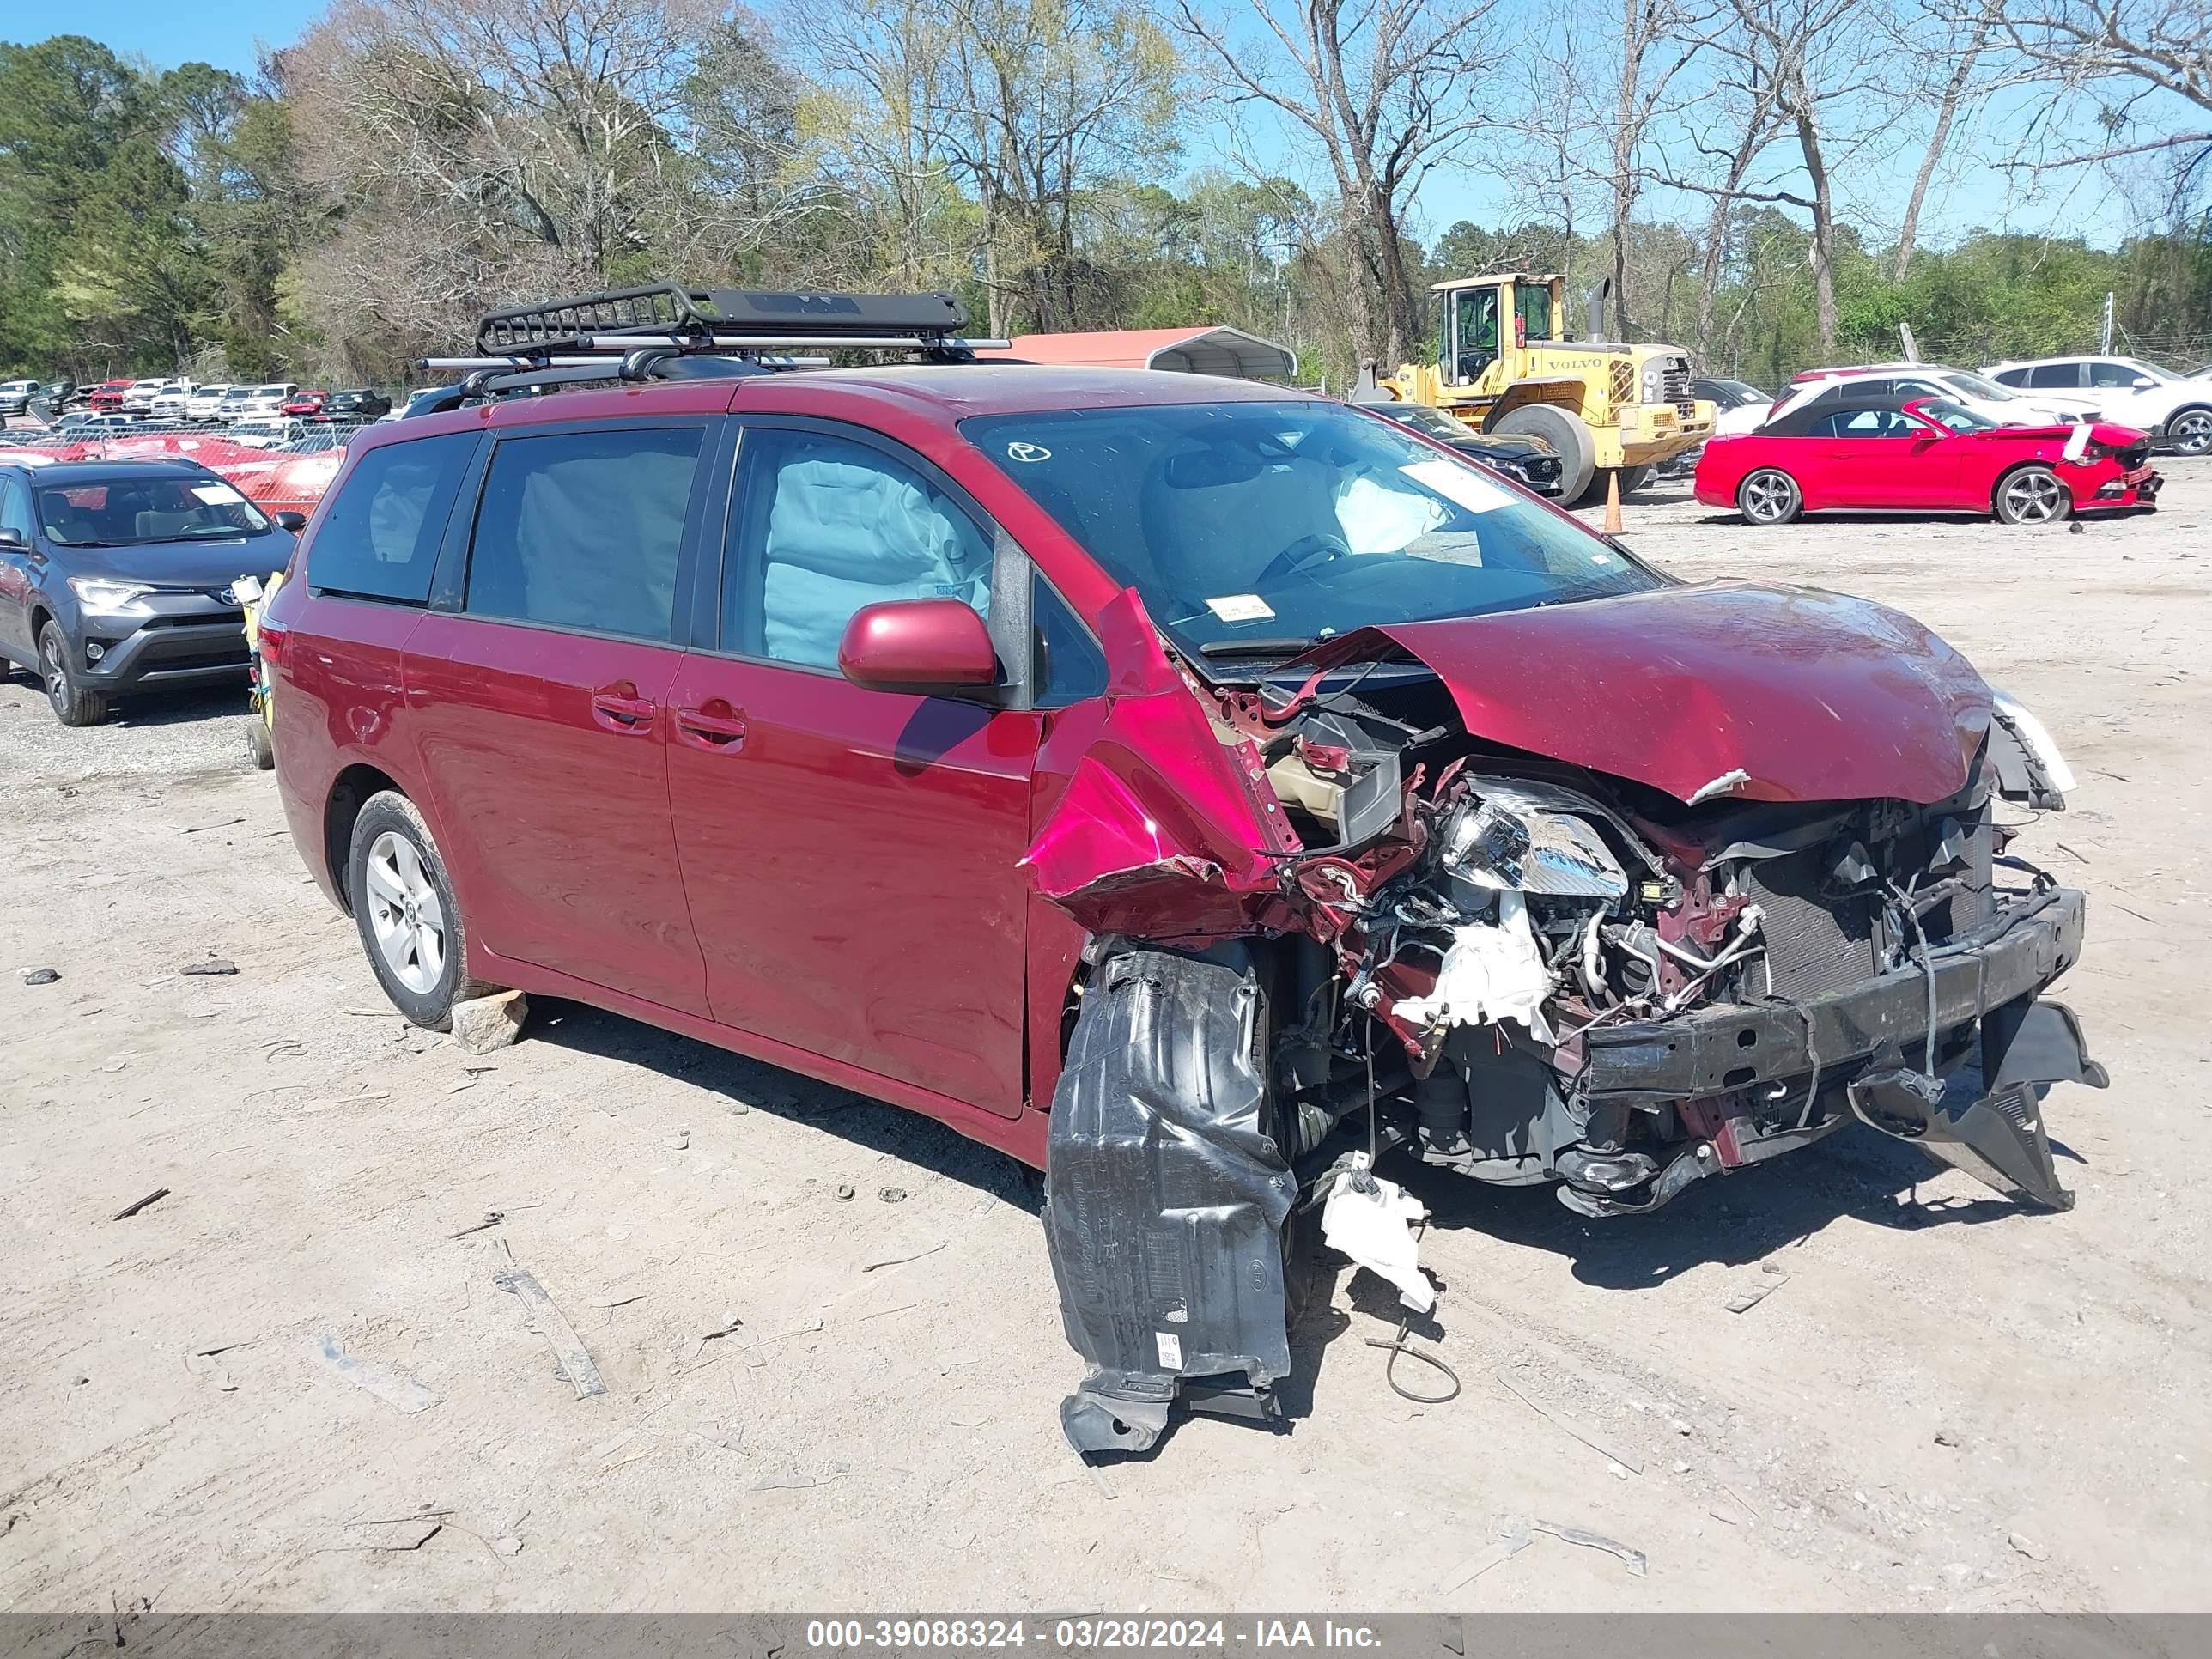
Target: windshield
{"x":133,"y":511}
{"x":1975,"y":386}
{"x":1952,"y":415}
{"x":1434,"y":421}
{"x":1254,"y":528}
{"x":2155,"y":373}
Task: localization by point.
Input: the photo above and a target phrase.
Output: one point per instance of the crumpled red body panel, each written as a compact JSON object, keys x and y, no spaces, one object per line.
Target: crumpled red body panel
{"x":1810,"y":696}
{"x":1146,"y":821}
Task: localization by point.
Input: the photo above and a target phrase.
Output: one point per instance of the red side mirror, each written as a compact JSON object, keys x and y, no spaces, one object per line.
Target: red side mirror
{"x":927,"y":646}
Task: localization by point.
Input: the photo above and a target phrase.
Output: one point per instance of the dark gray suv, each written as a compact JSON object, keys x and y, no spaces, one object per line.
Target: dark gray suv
{"x":115,"y":577}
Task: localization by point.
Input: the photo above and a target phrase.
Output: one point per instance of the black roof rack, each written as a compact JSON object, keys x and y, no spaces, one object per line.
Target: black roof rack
{"x":728,"y":319}
{"x":649,"y":333}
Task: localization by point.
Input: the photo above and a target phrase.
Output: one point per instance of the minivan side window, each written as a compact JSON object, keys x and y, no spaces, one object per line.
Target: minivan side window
{"x":824,"y":525}
{"x":379,"y":537}
{"x":583,"y":529}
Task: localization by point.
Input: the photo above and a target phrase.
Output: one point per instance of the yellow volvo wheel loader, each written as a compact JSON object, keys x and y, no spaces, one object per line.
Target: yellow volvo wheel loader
{"x":1505,"y":363}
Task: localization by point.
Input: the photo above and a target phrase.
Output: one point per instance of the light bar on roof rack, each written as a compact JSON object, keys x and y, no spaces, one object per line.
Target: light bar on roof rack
{"x":737,"y":320}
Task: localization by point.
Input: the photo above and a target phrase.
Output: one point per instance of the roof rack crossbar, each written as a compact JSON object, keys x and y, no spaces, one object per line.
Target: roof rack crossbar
{"x":727,"y":320}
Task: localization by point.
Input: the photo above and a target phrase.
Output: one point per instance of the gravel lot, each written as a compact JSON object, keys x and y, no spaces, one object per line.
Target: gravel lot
{"x":1949,"y":1403}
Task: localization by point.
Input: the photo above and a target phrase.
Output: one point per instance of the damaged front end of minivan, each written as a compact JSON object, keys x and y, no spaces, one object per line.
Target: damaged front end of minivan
{"x":1613,"y":896}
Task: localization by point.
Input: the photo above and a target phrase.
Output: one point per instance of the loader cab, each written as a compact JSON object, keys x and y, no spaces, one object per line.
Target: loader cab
{"x":1475,"y":314}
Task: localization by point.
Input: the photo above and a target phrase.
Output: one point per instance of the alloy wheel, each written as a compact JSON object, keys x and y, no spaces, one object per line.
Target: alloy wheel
{"x":404,"y":913}
{"x":2190,"y":433}
{"x":2033,"y":496}
{"x":51,"y":671}
{"x":1767,"y":497}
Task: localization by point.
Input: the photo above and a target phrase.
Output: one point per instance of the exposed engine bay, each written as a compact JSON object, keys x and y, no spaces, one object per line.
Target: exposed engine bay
{"x":1528,"y":972}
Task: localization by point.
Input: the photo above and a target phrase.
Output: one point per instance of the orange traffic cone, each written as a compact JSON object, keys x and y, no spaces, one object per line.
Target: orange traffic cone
{"x":1612,"y":525}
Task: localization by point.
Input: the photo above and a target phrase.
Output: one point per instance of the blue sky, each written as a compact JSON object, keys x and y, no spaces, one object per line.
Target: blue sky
{"x":1975,"y":191}
{"x":170,"y":32}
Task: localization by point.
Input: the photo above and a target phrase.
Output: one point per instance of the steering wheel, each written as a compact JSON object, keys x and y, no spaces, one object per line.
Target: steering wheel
{"x":1300,"y":551}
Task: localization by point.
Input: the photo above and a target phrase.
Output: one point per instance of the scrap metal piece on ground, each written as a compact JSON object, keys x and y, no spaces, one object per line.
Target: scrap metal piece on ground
{"x":1515,"y":1539}
{"x":130,"y":1210}
{"x":403,"y":1393}
{"x":1745,"y":1301}
{"x":1595,"y":1541}
{"x":576,"y":1362}
{"x":1569,"y":1425}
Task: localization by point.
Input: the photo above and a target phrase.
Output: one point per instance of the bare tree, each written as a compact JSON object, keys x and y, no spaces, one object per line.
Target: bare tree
{"x":1659,"y":39}
{"x":483,"y":144}
{"x":1385,"y":90}
{"x":2135,"y":58}
{"x":1790,"y":69}
{"x":1955,"y":94}
{"x":1027,"y":103}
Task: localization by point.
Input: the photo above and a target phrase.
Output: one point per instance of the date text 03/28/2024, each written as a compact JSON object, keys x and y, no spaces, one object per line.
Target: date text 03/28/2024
{"x":1087,"y":1634}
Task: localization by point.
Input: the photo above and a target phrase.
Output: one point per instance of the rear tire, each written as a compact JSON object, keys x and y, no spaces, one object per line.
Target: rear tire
{"x":1565,"y":433}
{"x":409,"y":920}
{"x":71,"y":706}
{"x":2031,"y":495}
{"x":1633,"y":478}
{"x":1768,"y":495}
{"x":259,"y":744}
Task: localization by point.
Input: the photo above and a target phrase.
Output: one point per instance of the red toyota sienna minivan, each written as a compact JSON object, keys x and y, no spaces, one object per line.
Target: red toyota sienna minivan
{"x":1185,"y":785}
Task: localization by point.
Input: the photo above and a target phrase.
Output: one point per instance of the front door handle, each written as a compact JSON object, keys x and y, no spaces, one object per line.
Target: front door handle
{"x":713,"y":725}
{"x":619,"y":709}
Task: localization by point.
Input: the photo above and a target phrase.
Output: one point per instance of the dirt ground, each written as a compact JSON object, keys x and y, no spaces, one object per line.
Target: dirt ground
{"x":1946,"y":1403}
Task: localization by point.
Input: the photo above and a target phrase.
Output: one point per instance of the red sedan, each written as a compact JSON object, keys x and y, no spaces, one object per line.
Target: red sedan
{"x":1929,"y":455}
{"x":307,"y":405}
{"x":107,"y":396}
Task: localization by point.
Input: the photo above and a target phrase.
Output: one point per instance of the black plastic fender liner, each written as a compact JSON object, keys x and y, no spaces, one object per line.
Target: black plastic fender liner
{"x":1165,"y":1196}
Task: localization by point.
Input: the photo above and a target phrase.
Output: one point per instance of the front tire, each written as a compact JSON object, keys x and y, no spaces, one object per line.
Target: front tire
{"x":409,"y":920}
{"x":1565,"y":433}
{"x":260,"y":745}
{"x":2033,"y":495}
{"x":1768,"y":496}
{"x":71,"y":706}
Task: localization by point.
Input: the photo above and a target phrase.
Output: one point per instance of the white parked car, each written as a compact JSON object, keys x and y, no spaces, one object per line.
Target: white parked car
{"x":169,"y":401}
{"x":205,"y":401}
{"x":267,"y":433}
{"x":262,"y":402}
{"x":138,"y":399}
{"x":1994,"y":403}
{"x":2176,"y":409}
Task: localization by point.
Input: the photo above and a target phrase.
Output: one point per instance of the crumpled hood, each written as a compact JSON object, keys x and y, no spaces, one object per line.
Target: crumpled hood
{"x":1723,"y":688}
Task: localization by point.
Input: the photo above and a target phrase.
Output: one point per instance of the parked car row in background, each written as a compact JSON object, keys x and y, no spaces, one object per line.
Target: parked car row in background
{"x":182,"y":401}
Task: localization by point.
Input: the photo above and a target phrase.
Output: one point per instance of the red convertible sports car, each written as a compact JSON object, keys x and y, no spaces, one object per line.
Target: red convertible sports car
{"x":1929,"y":455}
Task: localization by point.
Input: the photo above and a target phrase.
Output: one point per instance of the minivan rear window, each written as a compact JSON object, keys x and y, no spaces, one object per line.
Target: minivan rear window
{"x":379,"y":539}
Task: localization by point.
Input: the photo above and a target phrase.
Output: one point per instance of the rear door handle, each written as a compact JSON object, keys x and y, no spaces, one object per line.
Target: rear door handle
{"x":715,"y":726}
{"x":619,"y":709}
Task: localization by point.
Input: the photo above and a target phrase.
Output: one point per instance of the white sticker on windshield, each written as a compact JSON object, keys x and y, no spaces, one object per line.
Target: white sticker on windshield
{"x":1460,"y":483}
{"x":1028,"y":453}
{"x":1241,"y":607}
{"x":216,"y":495}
